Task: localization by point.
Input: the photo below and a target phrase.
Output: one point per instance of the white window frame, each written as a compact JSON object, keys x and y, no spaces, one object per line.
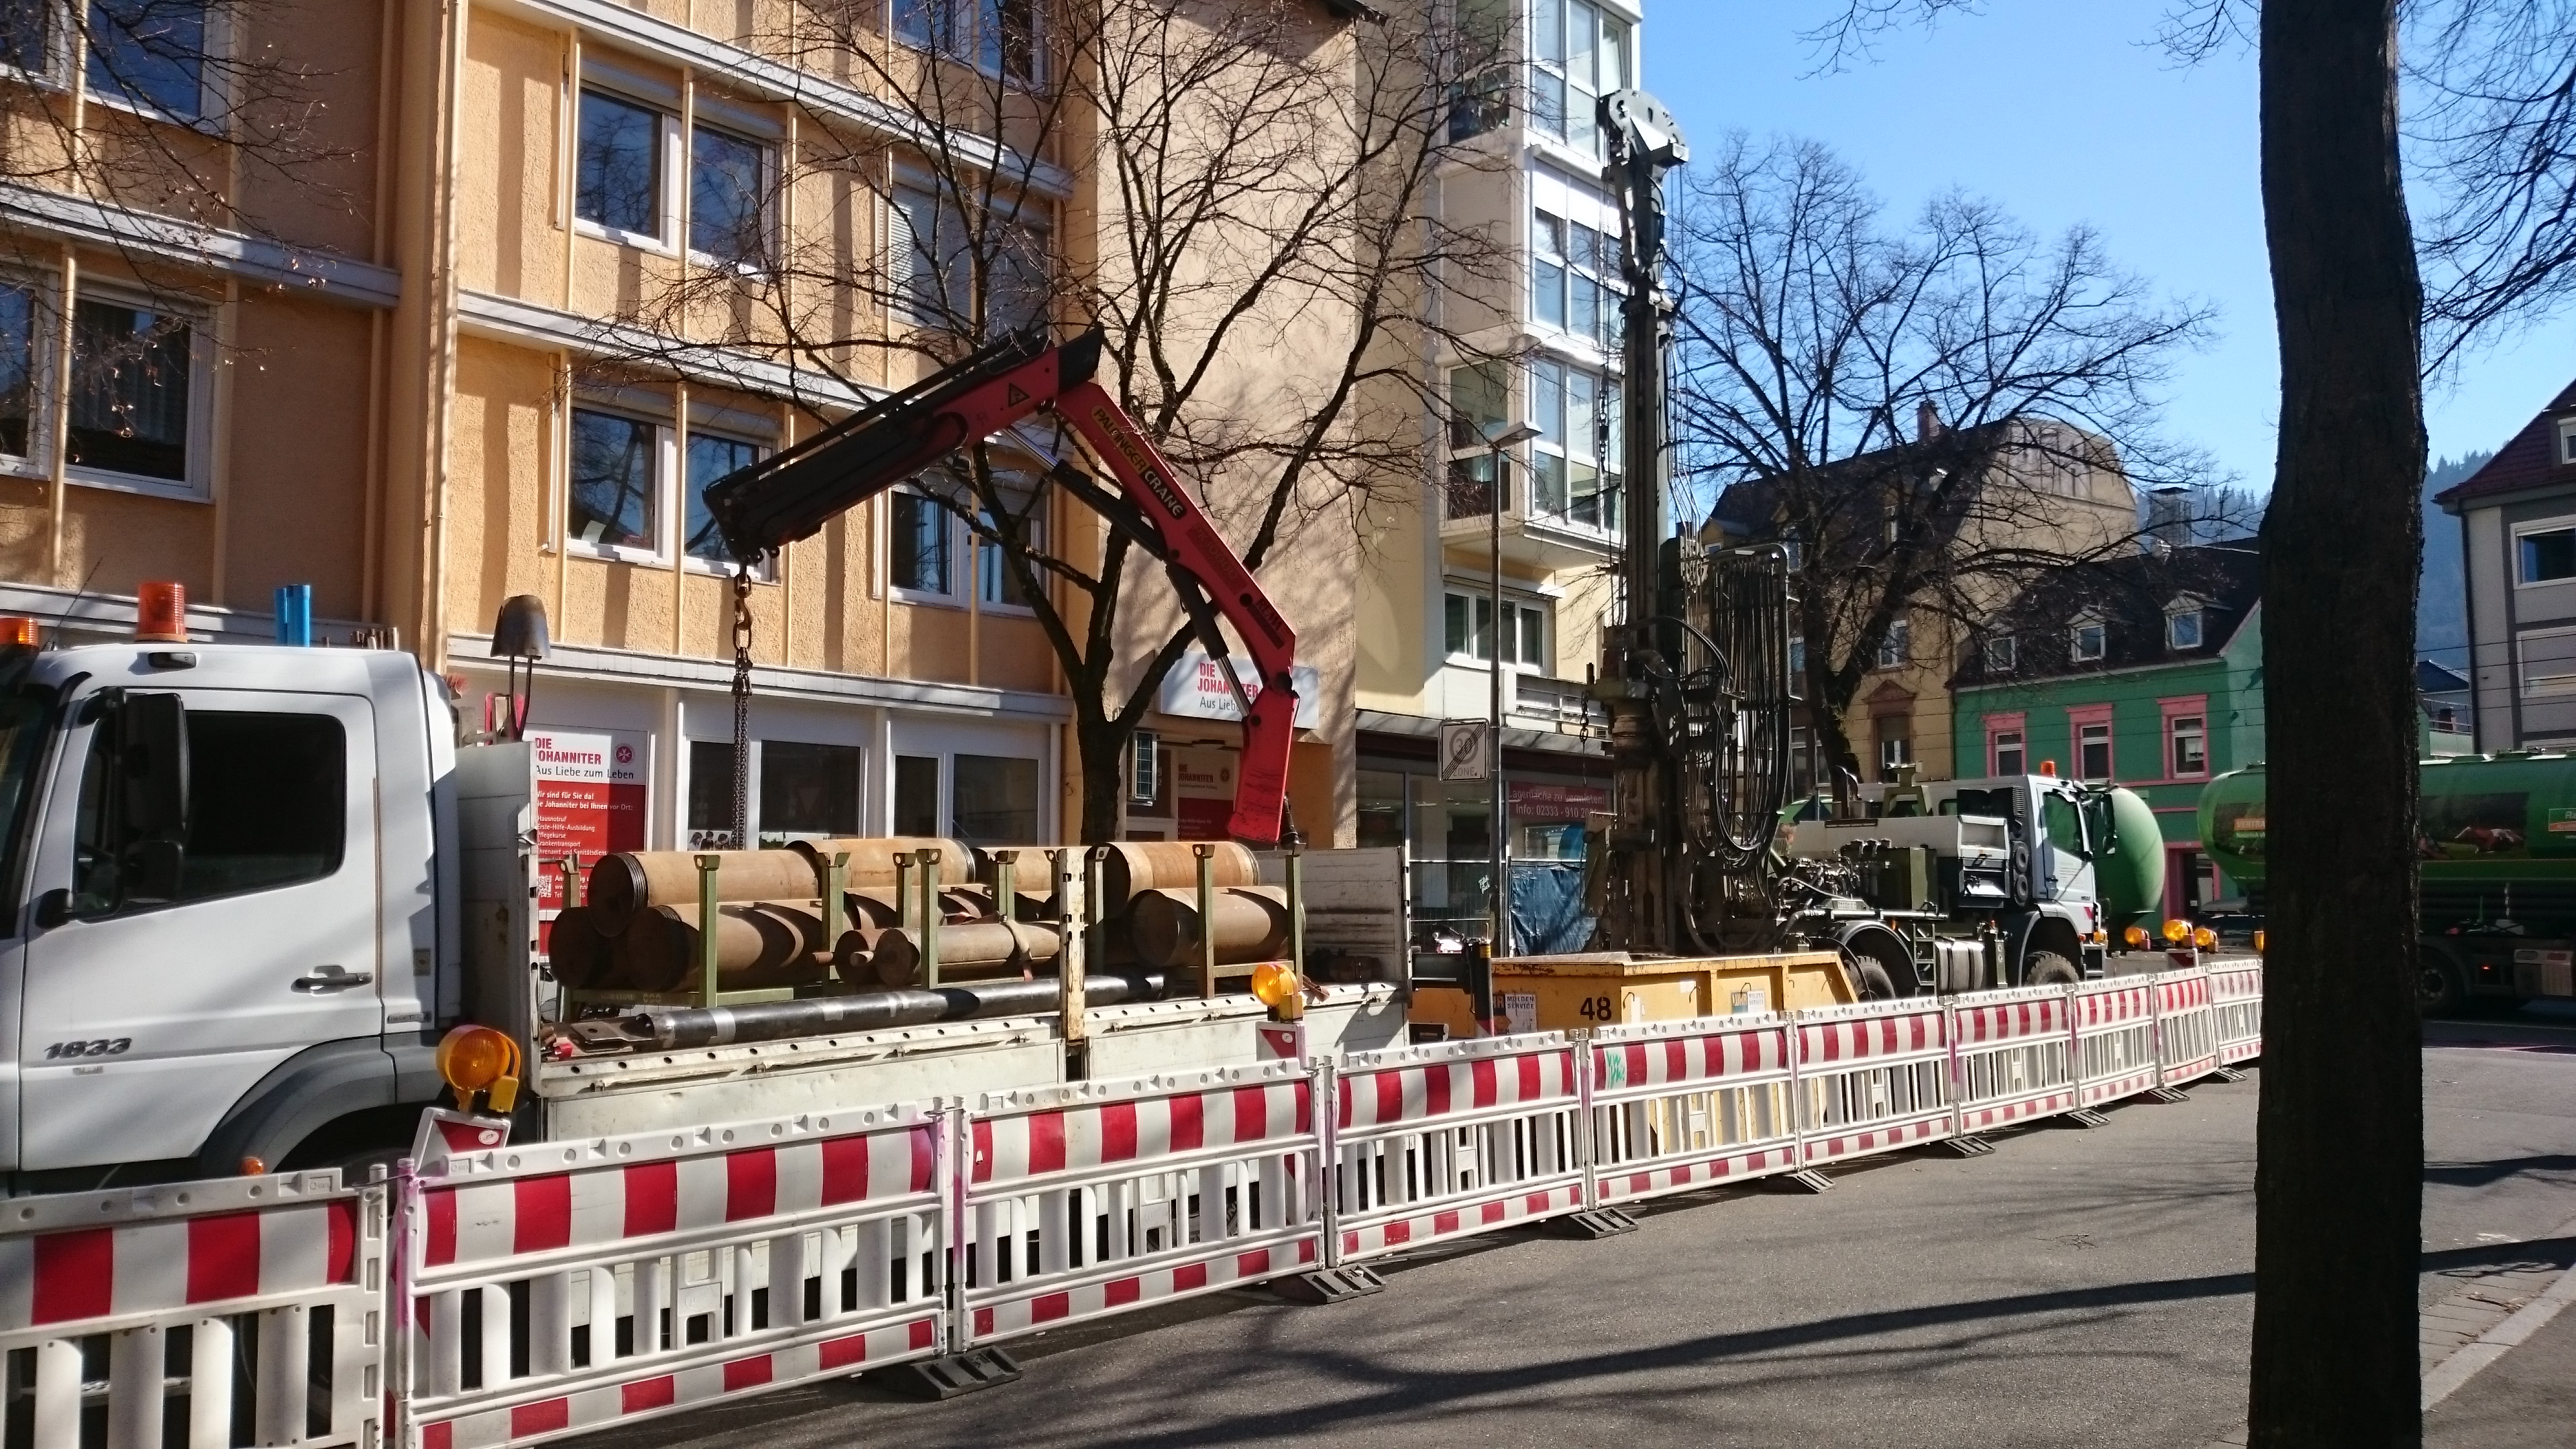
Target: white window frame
{"x":966,"y":47}
{"x":2567,"y":440}
{"x":45,"y":321}
{"x":2546,"y":686}
{"x":677,"y":489}
{"x":213,"y":97}
{"x":2075,"y":640}
{"x":960,"y":558}
{"x":2110,"y":756}
{"x":198,"y":486}
{"x":1512,"y":600}
{"x":2002,"y":653}
{"x":768,"y":185}
{"x":1608,"y":482}
{"x":1591,"y":89}
{"x":978,"y":551}
{"x":666,"y":467}
{"x":1611,"y":283}
{"x":1897,"y":649}
{"x":2174,"y":733}
{"x":2019,"y":744}
{"x":675,"y":166}
{"x":2561,"y":524}
{"x":2173,"y":627}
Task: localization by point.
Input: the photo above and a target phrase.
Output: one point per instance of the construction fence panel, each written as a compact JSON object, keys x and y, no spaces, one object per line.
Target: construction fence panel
{"x":2186,"y":1027}
{"x":2114,"y":1035}
{"x":562,"y":1287}
{"x":2236,"y":1004}
{"x":1093,"y":1198}
{"x":1452,"y":1138}
{"x":2014,"y":1056}
{"x":1677,"y":1105}
{"x":246,"y":1310}
{"x":1871,"y":1078}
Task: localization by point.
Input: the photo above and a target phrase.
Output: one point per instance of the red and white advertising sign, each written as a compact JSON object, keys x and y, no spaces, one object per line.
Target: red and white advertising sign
{"x":1202,"y":793}
{"x":590,"y":802}
{"x":1537,"y":804}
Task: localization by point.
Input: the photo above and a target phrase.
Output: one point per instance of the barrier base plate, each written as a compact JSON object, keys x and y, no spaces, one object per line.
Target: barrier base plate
{"x":950,"y":1375}
{"x":1589,"y":1224}
{"x":2228,"y":1074}
{"x":1328,"y":1285}
{"x":1805,"y":1179}
{"x":1966,"y":1144}
{"x":2086,"y":1117}
{"x":2167,"y":1094}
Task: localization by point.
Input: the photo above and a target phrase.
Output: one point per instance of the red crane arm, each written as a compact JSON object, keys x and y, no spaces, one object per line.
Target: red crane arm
{"x":792,"y":494}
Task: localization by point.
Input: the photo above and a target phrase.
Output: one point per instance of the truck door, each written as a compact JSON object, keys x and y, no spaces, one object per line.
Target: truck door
{"x":146,"y":1020}
{"x":2070,"y":860}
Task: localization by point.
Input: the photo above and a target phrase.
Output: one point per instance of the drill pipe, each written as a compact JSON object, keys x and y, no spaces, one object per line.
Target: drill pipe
{"x":672,"y":1027}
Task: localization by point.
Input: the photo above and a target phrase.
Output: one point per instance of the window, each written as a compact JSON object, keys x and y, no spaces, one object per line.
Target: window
{"x":1796,"y":550}
{"x":1145,"y":770}
{"x":728,"y":197}
{"x":2190,"y":745}
{"x":1524,"y":631}
{"x":1480,"y":100}
{"x":151,"y":53}
{"x":1580,"y":53}
{"x":1797,"y":664}
{"x":130,"y":387}
{"x":2009,"y":755}
{"x":2085,"y":641}
{"x":807,"y":790}
{"x":1898,"y":646}
{"x":916,"y":795}
{"x":1575,"y":461}
{"x":2548,"y":553}
{"x":617,"y":166}
{"x":711,"y":458}
{"x":17,"y":369}
{"x":2567,"y":440}
{"x":997,"y":584}
{"x":2547,"y":662}
{"x":1999,"y":654}
{"x":2093,"y":752}
{"x":616,"y":488}
{"x":26,"y":34}
{"x":1895,"y":744}
{"x":917,"y":545}
{"x":710,"y":824}
{"x":999,"y":37}
{"x":2182,"y":629}
{"x":997,"y":800}
{"x":1575,"y":279}
{"x":268,"y":806}
{"x":1480,"y":400}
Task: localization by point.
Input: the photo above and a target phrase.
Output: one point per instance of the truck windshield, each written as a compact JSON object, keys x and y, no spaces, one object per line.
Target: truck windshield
{"x":24,"y":716}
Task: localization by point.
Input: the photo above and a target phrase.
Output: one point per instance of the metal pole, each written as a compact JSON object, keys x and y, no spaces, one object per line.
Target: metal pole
{"x":1499,"y":831}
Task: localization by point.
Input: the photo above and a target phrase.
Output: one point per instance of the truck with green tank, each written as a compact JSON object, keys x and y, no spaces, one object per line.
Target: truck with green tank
{"x":2496,"y":849}
{"x":1954,"y":885}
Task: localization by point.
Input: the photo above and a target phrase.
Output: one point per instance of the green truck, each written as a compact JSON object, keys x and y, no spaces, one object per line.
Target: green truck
{"x":2496,"y":835}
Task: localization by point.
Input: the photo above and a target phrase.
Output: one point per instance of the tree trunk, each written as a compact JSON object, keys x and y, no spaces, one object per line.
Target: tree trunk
{"x":1103,"y":747}
{"x":2340,"y":1140}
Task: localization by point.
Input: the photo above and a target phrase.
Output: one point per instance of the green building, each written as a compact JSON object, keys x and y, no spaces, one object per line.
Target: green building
{"x":2144,"y":671}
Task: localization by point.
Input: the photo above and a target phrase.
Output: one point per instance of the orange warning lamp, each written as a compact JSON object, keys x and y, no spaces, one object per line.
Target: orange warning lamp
{"x":2177,"y":932}
{"x":2135,"y":938}
{"x":1274,"y":982}
{"x":19,"y":631}
{"x":161,"y":613}
{"x":2258,"y":943}
{"x":2204,"y":939}
{"x":477,"y":1059}
{"x":2048,"y":768}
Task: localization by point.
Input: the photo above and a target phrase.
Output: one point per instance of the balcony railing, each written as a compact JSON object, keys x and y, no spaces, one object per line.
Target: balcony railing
{"x":1556,"y":704}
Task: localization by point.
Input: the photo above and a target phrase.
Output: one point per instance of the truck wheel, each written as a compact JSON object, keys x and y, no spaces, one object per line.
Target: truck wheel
{"x":2437,"y":985}
{"x":1869,"y":978}
{"x":2047,"y":968}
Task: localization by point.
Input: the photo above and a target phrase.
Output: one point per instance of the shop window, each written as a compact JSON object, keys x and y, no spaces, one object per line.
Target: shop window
{"x":710,"y":822}
{"x":997,"y":799}
{"x":1381,"y":797}
{"x":808,"y":790}
{"x":916,"y":795}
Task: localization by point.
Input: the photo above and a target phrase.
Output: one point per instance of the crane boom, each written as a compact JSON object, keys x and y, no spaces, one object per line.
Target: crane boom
{"x":792,"y":494}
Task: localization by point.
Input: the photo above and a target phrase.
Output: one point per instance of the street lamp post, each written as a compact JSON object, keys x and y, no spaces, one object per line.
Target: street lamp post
{"x":1499,"y":829}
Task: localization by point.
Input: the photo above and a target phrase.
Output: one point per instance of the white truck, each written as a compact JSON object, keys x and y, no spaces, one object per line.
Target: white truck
{"x":249,"y":887}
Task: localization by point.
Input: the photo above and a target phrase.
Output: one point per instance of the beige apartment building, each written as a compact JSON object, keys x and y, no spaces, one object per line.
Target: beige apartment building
{"x":517,"y":302}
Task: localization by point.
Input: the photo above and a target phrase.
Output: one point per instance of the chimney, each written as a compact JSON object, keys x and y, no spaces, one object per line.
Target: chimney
{"x":2169,"y":517}
{"x":1927,"y":421}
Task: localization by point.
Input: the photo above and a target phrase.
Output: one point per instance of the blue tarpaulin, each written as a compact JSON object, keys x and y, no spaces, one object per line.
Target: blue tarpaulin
{"x":1547,"y":907}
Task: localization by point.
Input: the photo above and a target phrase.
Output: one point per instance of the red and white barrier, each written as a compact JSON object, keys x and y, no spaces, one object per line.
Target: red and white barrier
{"x":2014,"y":1056}
{"x":2186,"y":1028}
{"x":1452,"y":1138}
{"x":1677,"y":1105}
{"x":1094,"y":1198}
{"x":284,"y":1261}
{"x":2236,"y":1008}
{"x":560,"y":1287}
{"x":1871,"y":1078}
{"x":2114,"y":1036}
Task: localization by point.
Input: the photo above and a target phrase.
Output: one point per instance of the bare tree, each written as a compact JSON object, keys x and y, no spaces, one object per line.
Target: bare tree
{"x":1260,"y":172}
{"x":2340,"y":1137}
{"x":1934,"y":414}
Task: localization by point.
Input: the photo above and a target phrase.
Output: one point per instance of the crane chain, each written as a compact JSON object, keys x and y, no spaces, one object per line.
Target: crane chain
{"x":742,"y":707}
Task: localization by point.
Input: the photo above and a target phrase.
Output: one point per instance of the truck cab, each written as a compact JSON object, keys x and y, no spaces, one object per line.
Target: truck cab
{"x":219,"y":869}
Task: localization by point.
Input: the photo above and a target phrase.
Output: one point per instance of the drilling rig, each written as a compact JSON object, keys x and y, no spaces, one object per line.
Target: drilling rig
{"x":1694,"y":669}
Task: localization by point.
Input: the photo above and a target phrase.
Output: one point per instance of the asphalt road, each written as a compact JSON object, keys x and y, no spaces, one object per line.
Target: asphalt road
{"x":2074,"y":1286}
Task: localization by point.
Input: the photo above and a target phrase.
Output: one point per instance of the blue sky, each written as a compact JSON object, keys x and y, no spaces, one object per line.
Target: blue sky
{"x":2066,"y":114}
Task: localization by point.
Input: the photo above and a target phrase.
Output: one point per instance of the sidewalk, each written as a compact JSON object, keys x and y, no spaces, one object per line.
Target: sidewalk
{"x":2525,"y":1400}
